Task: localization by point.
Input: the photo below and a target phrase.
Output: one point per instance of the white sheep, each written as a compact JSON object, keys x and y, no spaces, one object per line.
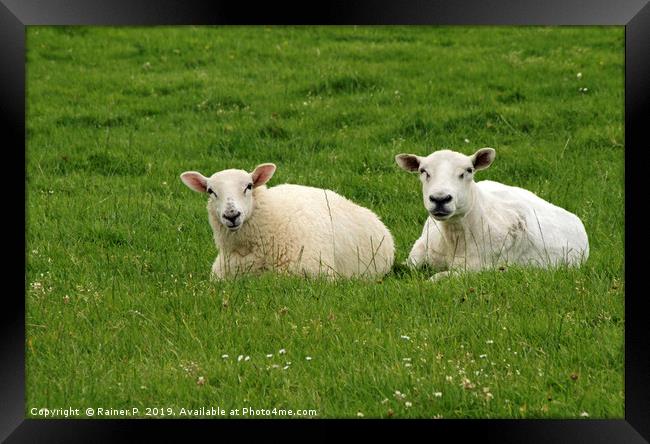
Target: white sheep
{"x":478,"y":225}
{"x":289,"y":228}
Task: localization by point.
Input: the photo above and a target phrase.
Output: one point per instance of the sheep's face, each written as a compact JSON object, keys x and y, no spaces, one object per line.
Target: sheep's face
{"x":230,"y":192}
{"x":447,"y":178}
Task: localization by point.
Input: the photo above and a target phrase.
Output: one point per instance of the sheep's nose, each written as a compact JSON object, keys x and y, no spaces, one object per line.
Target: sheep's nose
{"x":440,"y":200}
{"x":231,"y":217}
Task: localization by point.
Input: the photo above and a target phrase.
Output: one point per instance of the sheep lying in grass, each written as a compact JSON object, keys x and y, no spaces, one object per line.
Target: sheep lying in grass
{"x":290,"y":228}
{"x":477,"y":225}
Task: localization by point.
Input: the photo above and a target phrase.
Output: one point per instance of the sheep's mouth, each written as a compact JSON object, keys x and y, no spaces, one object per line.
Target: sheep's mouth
{"x":232,"y":226}
{"x":440,"y":214}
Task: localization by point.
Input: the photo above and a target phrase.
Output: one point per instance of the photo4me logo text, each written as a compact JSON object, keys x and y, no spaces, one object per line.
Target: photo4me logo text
{"x":182,"y":412}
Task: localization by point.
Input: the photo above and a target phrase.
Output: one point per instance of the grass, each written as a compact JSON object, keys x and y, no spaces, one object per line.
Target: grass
{"x":120,"y":311}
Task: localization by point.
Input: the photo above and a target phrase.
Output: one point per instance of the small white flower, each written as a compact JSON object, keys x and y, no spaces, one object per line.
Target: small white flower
{"x":240,"y":357}
{"x":579,"y":75}
{"x":408,"y":404}
{"x":384,"y":401}
{"x":449,"y":378}
{"x":308,"y":358}
{"x":466,"y":140}
{"x":360,"y":414}
{"x":224,"y":356}
{"x":468,"y":384}
{"x":407,"y":364}
{"x":270,"y":355}
{"x":584,"y":414}
{"x":406,"y":338}
{"x":285,"y":367}
{"x":489,"y":341}
{"x":482,"y":356}
{"x":288,"y":362}
{"x":282,"y":351}
{"x":437,"y":394}
{"x":275,"y":366}
{"x":406,"y":359}
{"x":247,"y":358}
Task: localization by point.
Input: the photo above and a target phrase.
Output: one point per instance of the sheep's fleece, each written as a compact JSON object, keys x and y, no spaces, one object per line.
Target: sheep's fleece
{"x":290,"y":228}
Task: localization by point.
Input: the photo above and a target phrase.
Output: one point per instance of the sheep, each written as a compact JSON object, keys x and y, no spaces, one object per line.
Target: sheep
{"x":481,"y":225}
{"x":289,"y":228}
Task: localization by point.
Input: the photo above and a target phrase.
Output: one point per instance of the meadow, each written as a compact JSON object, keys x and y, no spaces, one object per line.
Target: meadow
{"x":120,"y":312}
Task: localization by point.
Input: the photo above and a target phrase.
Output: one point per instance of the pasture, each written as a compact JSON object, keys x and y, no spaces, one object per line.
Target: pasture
{"x":120,"y":312}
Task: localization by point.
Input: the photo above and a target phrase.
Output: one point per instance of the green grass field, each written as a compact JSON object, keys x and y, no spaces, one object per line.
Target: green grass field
{"x":120,"y":310}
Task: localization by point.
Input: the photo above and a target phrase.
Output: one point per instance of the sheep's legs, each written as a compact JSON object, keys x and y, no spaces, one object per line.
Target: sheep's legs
{"x":218,"y":271}
{"x":422,"y":254}
{"x":456,"y":271}
{"x":231,"y":265}
{"x":417,"y":256}
{"x":444,"y":274}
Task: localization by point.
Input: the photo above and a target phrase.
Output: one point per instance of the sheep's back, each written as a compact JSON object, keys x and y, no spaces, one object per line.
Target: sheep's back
{"x":556,"y":231}
{"x":348,"y":237}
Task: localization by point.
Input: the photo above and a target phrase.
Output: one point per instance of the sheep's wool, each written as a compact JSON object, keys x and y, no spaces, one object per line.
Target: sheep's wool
{"x":304,"y":230}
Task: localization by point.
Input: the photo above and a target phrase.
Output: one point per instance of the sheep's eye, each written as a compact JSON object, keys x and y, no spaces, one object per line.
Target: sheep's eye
{"x":424,"y":172}
{"x":468,"y":170}
{"x":249,"y":187}
{"x":212,"y":192}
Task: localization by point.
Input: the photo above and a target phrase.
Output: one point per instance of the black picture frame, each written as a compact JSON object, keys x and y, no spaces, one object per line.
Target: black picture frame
{"x":15,"y":15}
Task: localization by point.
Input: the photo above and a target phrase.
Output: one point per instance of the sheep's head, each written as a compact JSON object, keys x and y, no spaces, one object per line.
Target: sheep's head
{"x":230,"y":192}
{"x":447,"y":178}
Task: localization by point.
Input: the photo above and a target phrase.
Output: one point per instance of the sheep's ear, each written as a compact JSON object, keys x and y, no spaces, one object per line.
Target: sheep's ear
{"x":409,"y":162}
{"x":195,"y":181}
{"x":483,"y":158}
{"x":262,"y":174}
